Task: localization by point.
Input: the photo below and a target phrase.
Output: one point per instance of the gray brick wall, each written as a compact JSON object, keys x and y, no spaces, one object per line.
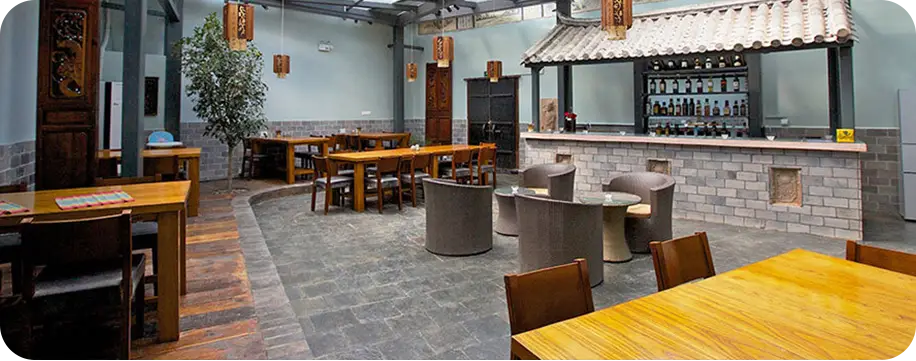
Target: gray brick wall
{"x":417,"y":127}
{"x":728,"y":185}
{"x":17,"y":163}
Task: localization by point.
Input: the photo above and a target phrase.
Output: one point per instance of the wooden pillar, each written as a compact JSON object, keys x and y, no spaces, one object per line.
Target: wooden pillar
{"x":66,"y":138}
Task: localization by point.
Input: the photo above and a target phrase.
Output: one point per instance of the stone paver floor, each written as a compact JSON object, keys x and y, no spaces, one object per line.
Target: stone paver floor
{"x":364,"y":287}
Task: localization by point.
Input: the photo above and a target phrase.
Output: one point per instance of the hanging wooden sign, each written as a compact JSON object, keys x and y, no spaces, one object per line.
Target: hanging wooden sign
{"x":412,"y":72}
{"x":616,"y":18}
{"x":238,"y":25}
{"x":443,"y":50}
{"x":281,"y":65}
{"x":494,"y":70}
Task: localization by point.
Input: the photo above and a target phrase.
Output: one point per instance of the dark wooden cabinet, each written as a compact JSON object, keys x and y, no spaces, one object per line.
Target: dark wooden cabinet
{"x":497,"y":102}
{"x":438,"y":104}
{"x":68,"y":81}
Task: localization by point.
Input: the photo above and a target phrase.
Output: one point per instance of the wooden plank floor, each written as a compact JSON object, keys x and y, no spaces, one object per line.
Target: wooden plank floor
{"x":217,"y":315}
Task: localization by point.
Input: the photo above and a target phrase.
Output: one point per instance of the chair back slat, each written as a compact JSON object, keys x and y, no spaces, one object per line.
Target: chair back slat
{"x":461,"y":156}
{"x":487,"y":154}
{"x":546,"y":296}
{"x":388,"y":165}
{"x":682,"y":260}
{"x":891,"y":260}
{"x":321,"y":165}
{"x":14,"y":188}
{"x":422,"y":161}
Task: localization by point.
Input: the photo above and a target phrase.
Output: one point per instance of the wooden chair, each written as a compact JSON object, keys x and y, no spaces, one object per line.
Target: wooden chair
{"x":145,"y":230}
{"x":354,"y":143}
{"x":10,"y":242}
{"x":546,"y":296}
{"x":682,"y":260}
{"x":461,"y":165}
{"x":387,"y":176}
{"x":325,"y":178}
{"x":78,"y":256}
{"x":417,"y":168}
{"x":486,"y":163}
{"x":250,"y":158}
{"x":891,"y":260}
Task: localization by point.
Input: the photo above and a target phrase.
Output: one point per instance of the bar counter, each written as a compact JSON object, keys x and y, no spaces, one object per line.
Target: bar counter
{"x":797,"y":186}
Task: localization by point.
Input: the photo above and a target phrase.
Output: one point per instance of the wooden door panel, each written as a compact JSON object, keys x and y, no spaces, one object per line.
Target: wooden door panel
{"x":444,"y":126}
{"x":438,"y":104}
{"x":65,"y":159}
{"x":497,"y":102}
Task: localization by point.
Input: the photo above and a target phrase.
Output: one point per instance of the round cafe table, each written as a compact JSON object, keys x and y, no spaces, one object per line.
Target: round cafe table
{"x":615,"y":211}
{"x":507,"y":220}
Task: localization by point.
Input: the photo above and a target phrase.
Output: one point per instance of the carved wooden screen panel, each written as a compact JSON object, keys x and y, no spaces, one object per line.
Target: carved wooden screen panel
{"x":438,"y":104}
{"x":68,"y":61}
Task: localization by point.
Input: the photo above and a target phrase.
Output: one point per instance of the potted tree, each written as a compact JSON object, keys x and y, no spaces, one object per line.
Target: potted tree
{"x":224,"y":85}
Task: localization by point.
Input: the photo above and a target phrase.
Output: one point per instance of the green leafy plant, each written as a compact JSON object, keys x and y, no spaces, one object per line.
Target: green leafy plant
{"x":224,"y":85}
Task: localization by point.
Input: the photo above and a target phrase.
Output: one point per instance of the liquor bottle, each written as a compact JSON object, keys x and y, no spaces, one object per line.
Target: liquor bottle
{"x":723,"y":84}
{"x":715,"y":109}
{"x":692,"y":108}
{"x":725,"y":129}
{"x":677,"y":109}
{"x":726,"y":111}
{"x":696,"y":63}
{"x":722,"y":63}
{"x":670,"y":107}
{"x":706,"y":131}
{"x":656,"y":65}
{"x":699,"y":85}
{"x":685,"y":107}
{"x":671,"y":65}
{"x":689,"y":86}
{"x":743,"y":108}
{"x":652,"y":86}
{"x":738,"y":132}
{"x":738,"y":62}
{"x":656,"y":108}
{"x":735,"y":109}
{"x":648,"y":110}
{"x":676,"y":86}
{"x":699,"y":111}
{"x":677,"y":130}
{"x":662,"y":85}
{"x":668,"y":129}
{"x":664,"y":109}
{"x":706,"y":109}
{"x":708,"y":63}
{"x":684,"y":64}
{"x":658,"y":128}
{"x":709,"y":85}
{"x":715,"y":132}
{"x":736,"y":84}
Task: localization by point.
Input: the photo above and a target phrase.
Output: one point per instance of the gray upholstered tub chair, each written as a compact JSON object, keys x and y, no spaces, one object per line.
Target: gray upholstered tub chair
{"x":558,"y":178}
{"x":459,"y":217}
{"x":554,"y":232}
{"x":657,"y":191}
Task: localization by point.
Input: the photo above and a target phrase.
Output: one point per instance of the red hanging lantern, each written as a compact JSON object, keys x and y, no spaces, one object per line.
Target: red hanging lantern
{"x":616,"y":18}
{"x":238,"y":25}
{"x":494,"y":70}
{"x":443,"y":50}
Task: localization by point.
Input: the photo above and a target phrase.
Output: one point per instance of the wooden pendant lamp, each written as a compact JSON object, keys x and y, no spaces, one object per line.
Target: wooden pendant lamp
{"x":616,"y":18}
{"x":238,"y":25}
{"x":494,"y":70}
{"x":281,"y":60}
{"x":443,"y":50}
{"x":412,"y":72}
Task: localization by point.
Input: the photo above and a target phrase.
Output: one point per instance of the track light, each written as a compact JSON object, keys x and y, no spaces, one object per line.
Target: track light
{"x":449,"y":9}
{"x":438,"y":13}
{"x":457,"y":7}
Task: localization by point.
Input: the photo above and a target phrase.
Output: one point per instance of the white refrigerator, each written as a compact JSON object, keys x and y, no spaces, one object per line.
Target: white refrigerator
{"x":907,"y":101}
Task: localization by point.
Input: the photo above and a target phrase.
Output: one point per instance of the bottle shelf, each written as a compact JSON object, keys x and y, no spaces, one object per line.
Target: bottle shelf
{"x":685,"y":73}
{"x":694,"y":94}
{"x":695,"y":117}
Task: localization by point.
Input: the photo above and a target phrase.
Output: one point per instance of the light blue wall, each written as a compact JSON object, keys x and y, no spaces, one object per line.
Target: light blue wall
{"x":794,"y":83}
{"x":18,"y":71}
{"x":354,"y":77}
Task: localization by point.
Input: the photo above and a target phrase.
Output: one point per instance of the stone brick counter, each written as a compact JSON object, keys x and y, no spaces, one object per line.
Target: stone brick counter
{"x":785,"y":186}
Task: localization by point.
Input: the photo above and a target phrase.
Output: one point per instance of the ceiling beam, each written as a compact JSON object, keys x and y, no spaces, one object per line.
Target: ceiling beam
{"x":351,"y":4}
{"x":335,"y":11}
{"x":171,"y":11}
{"x":115,"y":6}
{"x":427,"y":11}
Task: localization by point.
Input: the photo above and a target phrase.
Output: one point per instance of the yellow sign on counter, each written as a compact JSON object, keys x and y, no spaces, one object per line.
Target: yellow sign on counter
{"x":845,"y":135}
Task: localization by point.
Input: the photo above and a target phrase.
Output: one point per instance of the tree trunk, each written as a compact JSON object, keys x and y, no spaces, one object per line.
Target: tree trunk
{"x":229,"y":174}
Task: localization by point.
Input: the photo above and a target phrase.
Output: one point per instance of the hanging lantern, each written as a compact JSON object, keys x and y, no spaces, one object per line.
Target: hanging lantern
{"x":616,"y":18}
{"x":281,"y":65}
{"x":238,"y":25}
{"x":412,"y":72}
{"x":494,"y":70}
{"x":443,"y":50}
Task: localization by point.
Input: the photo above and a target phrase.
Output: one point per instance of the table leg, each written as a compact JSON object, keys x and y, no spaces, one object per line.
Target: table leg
{"x":183,"y":249}
{"x":169,"y":254}
{"x":359,"y":187}
{"x":435,"y":166}
{"x":324,"y":149}
{"x":615,"y":242}
{"x":379,"y":145}
{"x":290,"y":164}
{"x":194,"y":177}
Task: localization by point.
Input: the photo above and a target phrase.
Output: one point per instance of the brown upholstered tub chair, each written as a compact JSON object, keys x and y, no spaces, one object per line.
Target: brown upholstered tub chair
{"x":558,"y":178}
{"x":459,"y":217}
{"x":554,"y":232}
{"x":656,"y":191}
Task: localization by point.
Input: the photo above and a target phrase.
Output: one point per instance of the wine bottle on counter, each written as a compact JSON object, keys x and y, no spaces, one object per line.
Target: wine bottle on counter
{"x":726,"y":111}
{"x":676,"y":86}
{"x":658,"y":128}
{"x":699,"y":85}
{"x":743,"y":108}
{"x":677,"y":130}
{"x":677,"y":109}
{"x":737,"y":62}
{"x":692,"y":107}
{"x":662,"y":86}
{"x":670,"y":106}
{"x":706,"y":109}
{"x":706,"y":131}
{"x":709,"y":85}
{"x":725,"y":129}
{"x":689,"y":86}
{"x":664,"y":109}
{"x":735,"y":109}
{"x":715,"y":132}
{"x":685,"y":107}
{"x":708,"y":63}
{"x":696,"y":63}
{"x":715,"y":109}
{"x":722,"y":63}
{"x":699,"y":109}
{"x":668,"y":129}
{"x":736,"y":85}
{"x":652,"y":86}
{"x":656,"y":108}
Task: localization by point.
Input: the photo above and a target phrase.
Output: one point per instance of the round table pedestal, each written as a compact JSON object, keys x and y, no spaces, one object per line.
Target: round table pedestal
{"x":615,"y":242}
{"x":506,"y":221}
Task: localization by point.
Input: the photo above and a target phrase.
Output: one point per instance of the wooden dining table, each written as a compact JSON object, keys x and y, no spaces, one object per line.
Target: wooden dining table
{"x":165,"y":200}
{"x":360,"y":159}
{"x":798,"y":305}
{"x":289,"y":145}
{"x":191,"y":155}
{"x":402,"y":138}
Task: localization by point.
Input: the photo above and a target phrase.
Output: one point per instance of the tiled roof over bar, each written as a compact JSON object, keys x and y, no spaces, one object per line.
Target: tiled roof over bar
{"x":723,"y":26}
